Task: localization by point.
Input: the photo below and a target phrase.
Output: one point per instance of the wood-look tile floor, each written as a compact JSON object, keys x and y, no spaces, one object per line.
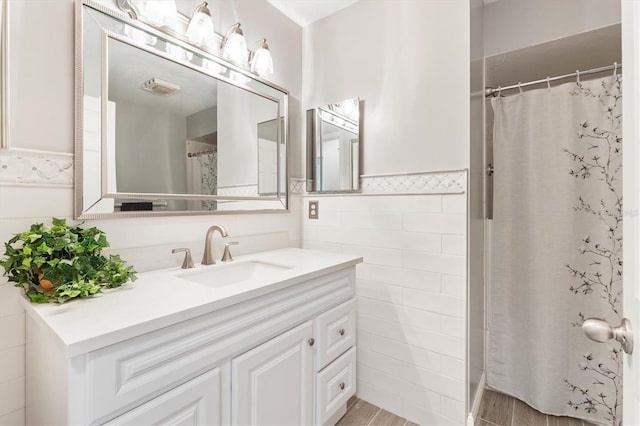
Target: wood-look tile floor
{"x":361,"y":413}
{"x":498,"y":409}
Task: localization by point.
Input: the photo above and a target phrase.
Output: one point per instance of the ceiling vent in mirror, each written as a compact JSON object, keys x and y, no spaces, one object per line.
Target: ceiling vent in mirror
{"x":161,"y":87}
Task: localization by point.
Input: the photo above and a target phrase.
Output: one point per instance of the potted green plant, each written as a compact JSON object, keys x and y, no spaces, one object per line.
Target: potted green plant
{"x":62,"y":262}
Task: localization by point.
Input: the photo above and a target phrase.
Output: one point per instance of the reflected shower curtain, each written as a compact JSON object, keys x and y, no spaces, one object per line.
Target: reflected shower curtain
{"x":202,"y":178}
{"x":557,"y":248}
{"x":194,"y":182}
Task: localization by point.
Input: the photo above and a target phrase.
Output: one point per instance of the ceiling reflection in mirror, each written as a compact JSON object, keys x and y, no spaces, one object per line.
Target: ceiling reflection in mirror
{"x":167,"y":129}
{"x":334,"y":145}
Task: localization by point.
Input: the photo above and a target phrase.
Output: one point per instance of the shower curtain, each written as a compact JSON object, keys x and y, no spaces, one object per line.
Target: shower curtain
{"x":202,"y":178}
{"x":557,"y":248}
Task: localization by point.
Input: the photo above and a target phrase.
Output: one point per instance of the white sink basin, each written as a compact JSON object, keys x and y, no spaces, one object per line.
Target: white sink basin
{"x":221,"y":275}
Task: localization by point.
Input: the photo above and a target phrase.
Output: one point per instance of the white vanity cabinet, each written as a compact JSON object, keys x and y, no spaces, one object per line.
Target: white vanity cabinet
{"x":285,"y":356}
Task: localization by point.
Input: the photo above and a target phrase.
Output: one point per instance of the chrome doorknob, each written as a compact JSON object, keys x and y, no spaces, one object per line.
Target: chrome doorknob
{"x":599,"y":330}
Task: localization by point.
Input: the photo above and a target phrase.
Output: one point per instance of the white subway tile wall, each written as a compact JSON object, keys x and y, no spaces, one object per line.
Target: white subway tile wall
{"x":144,"y":242}
{"x":411,"y":296}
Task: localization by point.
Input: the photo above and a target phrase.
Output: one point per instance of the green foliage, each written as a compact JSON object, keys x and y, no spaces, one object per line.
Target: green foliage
{"x":67,"y":257}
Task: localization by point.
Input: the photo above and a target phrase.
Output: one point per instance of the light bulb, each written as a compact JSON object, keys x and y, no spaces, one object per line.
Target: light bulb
{"x":162,"y":13}
{"x":200,"y":29}
{"x":261,"y":60}
{"x":235,"y":46}
{"x":350,"y":109}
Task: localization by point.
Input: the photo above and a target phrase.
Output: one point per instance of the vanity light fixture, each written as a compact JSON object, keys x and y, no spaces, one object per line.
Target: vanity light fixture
{"x":200,"y":30}
{"x":261,"y":60}
{"x":162,"y":13}
{"x":350,"y":109}
{"x":234,"y":46}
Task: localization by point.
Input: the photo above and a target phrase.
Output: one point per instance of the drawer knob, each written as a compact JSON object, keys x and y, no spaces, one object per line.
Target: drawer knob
{"x":342,"y":385}
{"x":341,"y":331}
{"x":311,"y":341}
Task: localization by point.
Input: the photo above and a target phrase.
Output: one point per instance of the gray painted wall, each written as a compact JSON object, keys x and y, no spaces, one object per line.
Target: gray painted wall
{"x":514,"y":24}
{"x":409,"y":62}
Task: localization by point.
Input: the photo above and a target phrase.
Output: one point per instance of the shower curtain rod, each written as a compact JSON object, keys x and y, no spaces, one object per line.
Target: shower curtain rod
{"x":493,"y":91}
{"x":201,"y":153}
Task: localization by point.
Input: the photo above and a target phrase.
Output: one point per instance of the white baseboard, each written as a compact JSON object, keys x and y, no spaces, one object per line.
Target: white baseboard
{"x":475,"y":407}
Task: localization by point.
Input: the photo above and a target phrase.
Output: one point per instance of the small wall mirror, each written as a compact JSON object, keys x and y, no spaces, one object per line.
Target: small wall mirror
{"x":165,"y":128}
{"x":333,"y":146}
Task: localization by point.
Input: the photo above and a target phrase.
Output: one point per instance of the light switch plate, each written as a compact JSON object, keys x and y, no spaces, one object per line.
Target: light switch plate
{"x":313,"y":209}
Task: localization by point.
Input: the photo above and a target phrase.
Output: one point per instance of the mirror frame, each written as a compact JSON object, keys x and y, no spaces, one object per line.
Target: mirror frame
{"x":313,"y":117}
{"x":4,"y":74}
{"x":282,"y":195}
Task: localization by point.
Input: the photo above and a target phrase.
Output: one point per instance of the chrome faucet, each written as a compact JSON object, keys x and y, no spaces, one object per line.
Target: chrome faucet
{"x":208,"y":258}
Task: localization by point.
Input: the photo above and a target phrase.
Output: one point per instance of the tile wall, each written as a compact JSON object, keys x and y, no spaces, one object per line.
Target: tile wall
{"x":19,"y":208}
{"x":411,"y":292}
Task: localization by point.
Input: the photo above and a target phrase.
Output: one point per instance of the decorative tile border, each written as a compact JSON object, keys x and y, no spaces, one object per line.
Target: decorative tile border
{"x":450,"y":182}
{"x":298,"y":186}
{"x":238,"y":190}
{"x":35,"y":167}
{"x":51,"y":168}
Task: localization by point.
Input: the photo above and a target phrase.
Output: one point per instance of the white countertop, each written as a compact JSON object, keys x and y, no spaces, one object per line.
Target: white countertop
{"x":161,"y":298}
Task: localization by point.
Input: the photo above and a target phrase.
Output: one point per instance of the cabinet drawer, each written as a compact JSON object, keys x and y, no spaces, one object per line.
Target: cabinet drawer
{"x":336,"y":331}
{"x":196,"y":402}
{"x":335,"y":385}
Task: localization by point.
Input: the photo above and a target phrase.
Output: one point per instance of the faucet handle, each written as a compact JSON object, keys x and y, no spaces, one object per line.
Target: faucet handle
{"x":226,"y":257}
{"x":187,"y":263}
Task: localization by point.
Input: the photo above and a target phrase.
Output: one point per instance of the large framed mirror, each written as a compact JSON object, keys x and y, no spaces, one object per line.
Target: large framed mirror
{"x":166,"y":128}
{"x":4,"y":55}
{"x":333,"y":146}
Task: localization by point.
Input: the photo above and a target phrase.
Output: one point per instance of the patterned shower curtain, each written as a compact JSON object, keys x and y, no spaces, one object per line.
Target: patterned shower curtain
{"x":557,"y":248}
{"x":202,"y":178}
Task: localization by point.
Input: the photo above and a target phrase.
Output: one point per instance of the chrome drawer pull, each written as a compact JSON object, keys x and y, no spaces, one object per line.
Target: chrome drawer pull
{"x":342,"y":385}
{"x":341,"y":331}
{"x":311,"y":341}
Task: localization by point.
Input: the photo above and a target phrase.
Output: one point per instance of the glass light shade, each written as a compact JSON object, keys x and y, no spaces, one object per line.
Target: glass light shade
{"x":261,"y":61}
{"x":350,"y":109}
{"x":200,"y":29}
{"x":234,"y":47}
{"x":162,"y":13}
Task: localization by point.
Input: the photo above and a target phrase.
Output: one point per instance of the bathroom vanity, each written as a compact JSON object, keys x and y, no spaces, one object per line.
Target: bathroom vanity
{"x":266,"y":339}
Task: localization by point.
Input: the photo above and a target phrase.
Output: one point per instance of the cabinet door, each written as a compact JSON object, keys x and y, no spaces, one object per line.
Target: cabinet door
{"x":272,"y":384}
{"x":196,"y":402}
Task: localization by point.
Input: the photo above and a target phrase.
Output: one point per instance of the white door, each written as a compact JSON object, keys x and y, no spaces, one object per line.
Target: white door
{"x":272,"y":384}
{"x":631,"y":198}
